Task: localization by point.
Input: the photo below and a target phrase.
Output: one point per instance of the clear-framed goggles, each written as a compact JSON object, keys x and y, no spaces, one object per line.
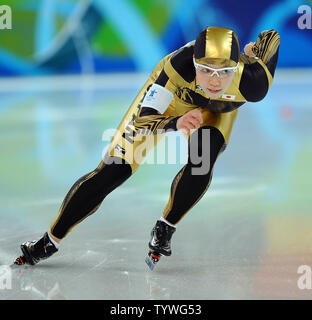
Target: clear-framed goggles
{"x":221,"y":73}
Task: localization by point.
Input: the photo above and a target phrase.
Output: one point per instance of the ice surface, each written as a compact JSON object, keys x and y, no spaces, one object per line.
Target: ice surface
{"x":245,"y":239}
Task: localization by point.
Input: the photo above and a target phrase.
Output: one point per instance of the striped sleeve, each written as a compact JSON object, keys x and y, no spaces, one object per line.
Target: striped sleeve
{"x":258,"y":72}
{"x":266,"y":48}
{"x":149,"y":121}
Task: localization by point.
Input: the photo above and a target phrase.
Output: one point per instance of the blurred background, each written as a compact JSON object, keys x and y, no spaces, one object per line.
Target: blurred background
{"x":70,"y":69}
{"x":70,"y":37}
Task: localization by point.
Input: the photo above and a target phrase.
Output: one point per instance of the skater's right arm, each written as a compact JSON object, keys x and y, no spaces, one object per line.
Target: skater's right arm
{"x":189,"y":121}
{"x":177,"y":72}
{"x":151,"y":118}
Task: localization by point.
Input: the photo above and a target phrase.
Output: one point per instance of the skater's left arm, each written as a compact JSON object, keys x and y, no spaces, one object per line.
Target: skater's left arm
{"x":260,"y":63}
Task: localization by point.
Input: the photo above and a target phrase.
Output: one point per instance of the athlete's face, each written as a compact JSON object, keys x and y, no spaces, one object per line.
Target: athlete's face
{"x":213,"y":86}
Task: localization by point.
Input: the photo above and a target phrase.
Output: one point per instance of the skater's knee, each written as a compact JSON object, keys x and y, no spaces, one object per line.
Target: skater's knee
{"x":205,"y":144}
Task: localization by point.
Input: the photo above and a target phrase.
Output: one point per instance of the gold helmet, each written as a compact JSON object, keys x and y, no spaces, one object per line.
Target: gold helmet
{"x":217,"y":45}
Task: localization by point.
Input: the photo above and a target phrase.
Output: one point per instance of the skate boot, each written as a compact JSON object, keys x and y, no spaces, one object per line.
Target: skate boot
{"x":35,"y":251}
{"x":160,"y":243}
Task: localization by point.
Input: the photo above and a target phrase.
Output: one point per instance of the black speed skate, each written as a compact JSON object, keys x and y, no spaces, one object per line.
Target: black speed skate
{"x":160,"y":243}
{"x":35,"y":251}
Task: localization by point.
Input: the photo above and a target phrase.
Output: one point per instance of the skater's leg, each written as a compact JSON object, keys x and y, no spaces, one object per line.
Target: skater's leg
{"x":84,"y":198}
{"x":55,"y":239}
{"x":87,"y":194}
{"x":190,"y":185}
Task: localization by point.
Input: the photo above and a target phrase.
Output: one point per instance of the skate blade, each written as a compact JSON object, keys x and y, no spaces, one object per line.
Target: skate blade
{"x":20,"y":261}
{"x":152,"y":259}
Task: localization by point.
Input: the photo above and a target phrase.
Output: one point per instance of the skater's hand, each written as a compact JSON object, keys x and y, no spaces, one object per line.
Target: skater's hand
{"x":248,"y":49}
{"x":191,"y":120}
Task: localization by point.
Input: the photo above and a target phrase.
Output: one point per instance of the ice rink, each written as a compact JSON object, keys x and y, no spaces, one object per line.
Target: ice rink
{"x":246,"y":239}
